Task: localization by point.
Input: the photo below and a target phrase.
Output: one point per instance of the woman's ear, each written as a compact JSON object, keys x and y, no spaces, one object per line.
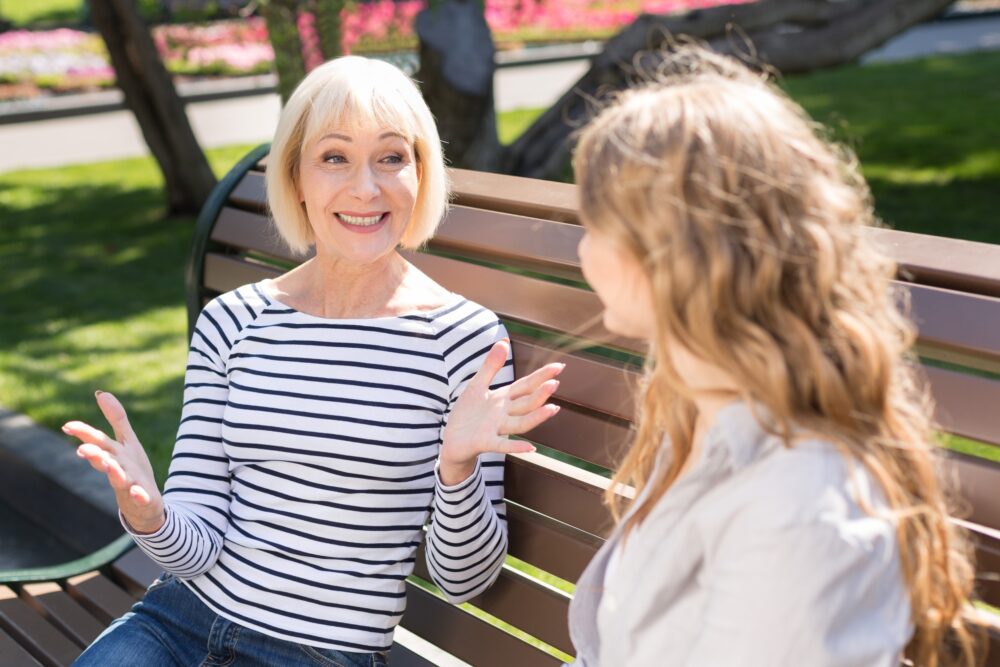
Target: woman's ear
{"x":419,"y":162}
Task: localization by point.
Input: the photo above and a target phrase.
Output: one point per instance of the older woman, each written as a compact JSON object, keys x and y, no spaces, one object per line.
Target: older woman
{"x":326,"y":413}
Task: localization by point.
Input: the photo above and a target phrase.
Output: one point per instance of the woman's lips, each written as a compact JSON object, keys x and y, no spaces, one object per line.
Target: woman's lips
{"x":363,"y":228}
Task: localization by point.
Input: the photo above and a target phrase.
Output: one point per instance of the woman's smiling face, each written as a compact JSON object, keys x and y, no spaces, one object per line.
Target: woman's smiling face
{"x":358,"y":184}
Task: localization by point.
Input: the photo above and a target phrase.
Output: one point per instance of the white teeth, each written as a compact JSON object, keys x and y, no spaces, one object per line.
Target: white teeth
{"x":365,"y":221}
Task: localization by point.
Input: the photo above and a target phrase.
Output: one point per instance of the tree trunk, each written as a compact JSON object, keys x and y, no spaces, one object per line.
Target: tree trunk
{"x":791,"y":36}
{"x":150,"y":95}
{"x":328,"y":27}
{"x":283,"y":31}
{"x":456,"y":79}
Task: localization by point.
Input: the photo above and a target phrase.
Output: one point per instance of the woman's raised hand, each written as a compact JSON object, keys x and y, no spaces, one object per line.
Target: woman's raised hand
{"x":482,"y":418}
{"x":125,"y":463}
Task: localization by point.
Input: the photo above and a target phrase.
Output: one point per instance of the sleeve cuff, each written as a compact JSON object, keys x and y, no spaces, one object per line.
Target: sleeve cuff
{"x":455,"y":492}
{"x":160,"y":532}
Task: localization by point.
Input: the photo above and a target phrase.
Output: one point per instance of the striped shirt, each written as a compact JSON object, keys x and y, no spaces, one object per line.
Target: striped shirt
{"x":305,"y":468}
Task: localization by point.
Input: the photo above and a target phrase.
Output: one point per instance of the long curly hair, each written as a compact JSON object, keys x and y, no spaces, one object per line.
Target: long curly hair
{"x":749,"y":224}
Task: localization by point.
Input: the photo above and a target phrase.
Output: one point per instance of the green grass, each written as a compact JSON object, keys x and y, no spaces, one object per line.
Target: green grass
{"x":40,"y":12}
{"x":922,"y":130}
{"x":93,"y":294}
{"x":923,"y":134}
{"x":37,"y":14}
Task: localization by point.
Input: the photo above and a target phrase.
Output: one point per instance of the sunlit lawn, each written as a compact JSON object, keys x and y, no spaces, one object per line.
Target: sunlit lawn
{"x":44,"y":13}
{"x":925,"y":131}
{"x":93,"y":292}
{"x":28,"y":12}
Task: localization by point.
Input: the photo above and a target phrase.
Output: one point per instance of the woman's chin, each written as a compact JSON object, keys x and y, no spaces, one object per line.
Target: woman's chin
{"x":622,"y":328}
{"x":366,"y":249}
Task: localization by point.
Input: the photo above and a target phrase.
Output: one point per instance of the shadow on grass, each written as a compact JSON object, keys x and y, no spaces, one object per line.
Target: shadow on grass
{"x":85,"y":254}
{"x":92,"y":283}
{"x":963,"y":208}
{"x":921,"y":113}
{"x":917,"y":127}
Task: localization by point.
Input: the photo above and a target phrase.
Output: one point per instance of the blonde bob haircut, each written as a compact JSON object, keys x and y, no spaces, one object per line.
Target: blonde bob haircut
{"x":346,"y":92}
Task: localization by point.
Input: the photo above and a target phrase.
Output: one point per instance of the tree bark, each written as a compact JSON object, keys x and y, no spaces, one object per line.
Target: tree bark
{"x":456,"y":79}
{"x":283,"y":31}
{"x":790,"y":36}
{"x":151,"y":96}
{"x":329,"y":28}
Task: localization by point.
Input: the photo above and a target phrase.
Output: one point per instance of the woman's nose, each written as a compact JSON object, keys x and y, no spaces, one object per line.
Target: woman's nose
{"x":364,"y":185}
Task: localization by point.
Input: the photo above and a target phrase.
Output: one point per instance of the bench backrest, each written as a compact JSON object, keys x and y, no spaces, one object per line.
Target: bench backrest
{"x":510,"y":244}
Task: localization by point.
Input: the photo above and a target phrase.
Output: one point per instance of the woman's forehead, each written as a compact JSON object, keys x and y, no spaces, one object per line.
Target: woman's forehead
{"x":350,"y":126}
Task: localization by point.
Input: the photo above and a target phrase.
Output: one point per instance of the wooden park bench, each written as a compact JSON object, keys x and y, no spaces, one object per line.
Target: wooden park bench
{"x":510,"y":244}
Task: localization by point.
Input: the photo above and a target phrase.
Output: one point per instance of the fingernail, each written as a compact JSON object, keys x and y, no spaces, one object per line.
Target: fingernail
{"x":65,"y":429}
{"x":98,"y":392}
{"x":557,"y":409}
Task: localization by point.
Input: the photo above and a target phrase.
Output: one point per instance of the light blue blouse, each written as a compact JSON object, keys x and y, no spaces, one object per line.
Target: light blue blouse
{"x":760,"y":556}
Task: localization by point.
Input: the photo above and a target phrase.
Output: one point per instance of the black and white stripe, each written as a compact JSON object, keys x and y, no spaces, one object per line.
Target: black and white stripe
{"x":304,"y":468}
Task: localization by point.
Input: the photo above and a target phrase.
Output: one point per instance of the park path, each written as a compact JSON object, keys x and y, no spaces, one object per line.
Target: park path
{"x":251,"y":119}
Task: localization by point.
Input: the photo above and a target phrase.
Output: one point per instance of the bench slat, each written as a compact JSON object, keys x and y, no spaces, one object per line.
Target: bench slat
{"x":559,"y":490}
{"x":939,"y":261}
{"x":584,"y":435}
{"x":52,"y":602}
{"x":987,"y":562}
{"x":249,"y":193}
{"x":514,"y":240}
{"x":13,"y":654}
{"x":466,"y":637}
{"x":978,"y":483}
{"x":224,"y":273}
{"x":98,"y":595}
{"x":513,"y":194}
{"x":549,"y":545}
{"x":401,"y":656}
{"x":964,"y":326}
{"x":39,"y":637}
{"x":534,"y":302}
{"x":524,"y":603}
{"x":135,"y":571}
{"x":531,"y":243}
{"x":249,"y":230}
{"x":966,"y":404}
{"x":587,"y":381}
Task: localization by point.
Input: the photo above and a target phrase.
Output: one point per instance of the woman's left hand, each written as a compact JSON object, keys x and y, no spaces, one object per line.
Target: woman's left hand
{"x":481,"y":418}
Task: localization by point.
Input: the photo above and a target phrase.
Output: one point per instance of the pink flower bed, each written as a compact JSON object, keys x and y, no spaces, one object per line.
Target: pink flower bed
{"x":223,"y":47}
{"x":67,"y":59}
{"x":57,"y":59}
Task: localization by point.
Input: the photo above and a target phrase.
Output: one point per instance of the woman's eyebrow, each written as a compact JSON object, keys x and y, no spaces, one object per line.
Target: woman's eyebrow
{"x":344,"y":137}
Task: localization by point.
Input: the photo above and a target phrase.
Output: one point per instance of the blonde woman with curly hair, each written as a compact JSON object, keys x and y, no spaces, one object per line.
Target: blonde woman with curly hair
{"x":787,"y":508}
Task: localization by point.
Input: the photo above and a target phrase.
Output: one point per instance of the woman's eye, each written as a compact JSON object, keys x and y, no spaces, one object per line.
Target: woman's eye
{"x":334,"y":158}
{"x":395,"y":158}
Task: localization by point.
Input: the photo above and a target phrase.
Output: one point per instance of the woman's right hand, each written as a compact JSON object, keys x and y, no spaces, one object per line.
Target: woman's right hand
{"x":125,"y":463}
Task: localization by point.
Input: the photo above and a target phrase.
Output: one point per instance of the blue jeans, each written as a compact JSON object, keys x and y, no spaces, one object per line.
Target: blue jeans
{"x":171,"y":627}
